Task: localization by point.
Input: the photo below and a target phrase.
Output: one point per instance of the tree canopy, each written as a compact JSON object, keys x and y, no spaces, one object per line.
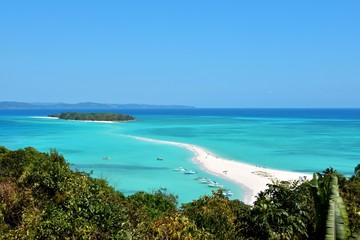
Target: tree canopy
{"x":42,"y":198}
{"x":114,"y":117}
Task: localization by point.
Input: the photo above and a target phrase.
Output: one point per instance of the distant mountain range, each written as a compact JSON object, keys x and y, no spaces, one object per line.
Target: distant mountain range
{"x":85,"y":105}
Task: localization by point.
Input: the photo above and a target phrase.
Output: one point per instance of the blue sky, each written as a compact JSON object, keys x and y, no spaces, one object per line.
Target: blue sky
{"x":200,"y":53}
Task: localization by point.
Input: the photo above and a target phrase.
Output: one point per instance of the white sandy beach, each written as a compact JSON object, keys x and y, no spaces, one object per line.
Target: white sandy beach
{"x":44,"y":117}
{"x":252,"y":179}
{"x":75,"y":120}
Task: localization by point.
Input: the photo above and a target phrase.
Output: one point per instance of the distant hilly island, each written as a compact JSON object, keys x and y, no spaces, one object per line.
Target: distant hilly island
{"x":85,"y":105}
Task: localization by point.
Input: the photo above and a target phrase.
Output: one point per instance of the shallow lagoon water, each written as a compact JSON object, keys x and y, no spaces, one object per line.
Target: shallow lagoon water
{"x":296,"y":140}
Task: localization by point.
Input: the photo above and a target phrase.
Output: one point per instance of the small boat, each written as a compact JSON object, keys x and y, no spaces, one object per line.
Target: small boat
{"x":200,"y":179}
{"x":180,"y":169}
{"x":227,"y":193}
{"x":204,"y":181}
{"x":159,"y":158}
{"x":190,"y":172}
{"x":215,"y":185}
{"x":106,"y":158}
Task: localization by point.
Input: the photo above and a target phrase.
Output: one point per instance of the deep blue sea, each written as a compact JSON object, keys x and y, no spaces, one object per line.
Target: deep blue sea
{"x":303,"y":140}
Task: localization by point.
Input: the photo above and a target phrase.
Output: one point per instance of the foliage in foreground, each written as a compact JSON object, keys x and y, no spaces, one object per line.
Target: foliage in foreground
{"x":42,"y":198}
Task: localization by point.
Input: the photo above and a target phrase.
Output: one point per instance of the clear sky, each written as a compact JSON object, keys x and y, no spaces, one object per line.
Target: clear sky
{"x":191,"y":52}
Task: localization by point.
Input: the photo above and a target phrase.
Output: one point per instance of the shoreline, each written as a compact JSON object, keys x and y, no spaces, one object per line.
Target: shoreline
{"x":252,"y":179}
{"x":90,"y":121}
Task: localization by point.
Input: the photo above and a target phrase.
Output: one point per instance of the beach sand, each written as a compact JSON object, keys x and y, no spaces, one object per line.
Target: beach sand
{"x":78,"y":120}
{"x":252,"y":179}
{"x":42,"y":117}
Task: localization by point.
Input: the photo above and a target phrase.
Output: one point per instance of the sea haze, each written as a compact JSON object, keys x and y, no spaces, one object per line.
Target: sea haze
{"x":303,"y":140}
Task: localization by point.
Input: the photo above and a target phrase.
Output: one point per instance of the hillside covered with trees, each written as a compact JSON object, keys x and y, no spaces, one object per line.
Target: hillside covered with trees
{"x":114,"y":117}
{"x":42,"y":198}
{"x":85,"y":105}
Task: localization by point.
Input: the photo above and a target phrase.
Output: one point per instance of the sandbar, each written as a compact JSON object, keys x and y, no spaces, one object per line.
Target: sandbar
{"x":252,"y":179}
{"x":43,"y":117}
{"x":79,"y":120}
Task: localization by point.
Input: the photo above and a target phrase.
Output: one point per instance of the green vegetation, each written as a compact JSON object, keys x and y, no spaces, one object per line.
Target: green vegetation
{"x":115,"y":117}
{"x":337,"y":222}
{"x":42,"y":198}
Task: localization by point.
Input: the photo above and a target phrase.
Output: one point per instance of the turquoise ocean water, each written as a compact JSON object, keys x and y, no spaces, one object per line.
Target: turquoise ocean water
{"x":300,"y":140}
